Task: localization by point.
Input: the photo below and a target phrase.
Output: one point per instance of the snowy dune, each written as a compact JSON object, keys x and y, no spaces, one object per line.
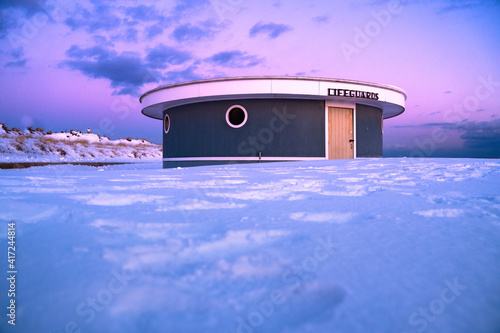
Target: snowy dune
{"x":38,"y":145}
{"x":367,"y":245}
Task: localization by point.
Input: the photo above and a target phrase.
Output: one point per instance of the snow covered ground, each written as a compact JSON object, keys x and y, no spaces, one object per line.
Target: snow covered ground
{"x":36,"y":145}
{"x":367,"y":245}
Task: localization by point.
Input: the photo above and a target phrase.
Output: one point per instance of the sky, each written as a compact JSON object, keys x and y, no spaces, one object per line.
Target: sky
{"x":83,"y":64}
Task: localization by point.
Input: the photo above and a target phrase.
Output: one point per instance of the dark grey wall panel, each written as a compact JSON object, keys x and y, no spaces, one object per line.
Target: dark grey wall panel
{"x":186,"y":164}
{"x":368,"y":131}
{"x":275,"y":127}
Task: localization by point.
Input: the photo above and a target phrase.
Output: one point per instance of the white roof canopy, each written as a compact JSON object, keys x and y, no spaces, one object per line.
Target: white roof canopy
{"x":388,"y":98}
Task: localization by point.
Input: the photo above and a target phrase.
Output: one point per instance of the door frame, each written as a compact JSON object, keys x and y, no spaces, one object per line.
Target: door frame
{"x":331,"y":104}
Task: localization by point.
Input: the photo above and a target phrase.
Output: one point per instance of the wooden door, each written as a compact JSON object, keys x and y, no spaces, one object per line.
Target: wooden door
{"x":340,"y":133}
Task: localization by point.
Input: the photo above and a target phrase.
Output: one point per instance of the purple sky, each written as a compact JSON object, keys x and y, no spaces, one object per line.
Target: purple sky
{"x":78,"y":64}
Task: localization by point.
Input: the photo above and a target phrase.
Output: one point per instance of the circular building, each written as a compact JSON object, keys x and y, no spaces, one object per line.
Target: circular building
{"x":253,"y":119}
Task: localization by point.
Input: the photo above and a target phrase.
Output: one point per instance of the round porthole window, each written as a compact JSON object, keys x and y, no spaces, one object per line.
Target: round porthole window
{"x":166,"y":123}
{"x":236,"y":116}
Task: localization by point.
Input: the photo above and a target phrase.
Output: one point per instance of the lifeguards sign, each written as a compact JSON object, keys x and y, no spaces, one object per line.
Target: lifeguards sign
{"x":352,"y":93}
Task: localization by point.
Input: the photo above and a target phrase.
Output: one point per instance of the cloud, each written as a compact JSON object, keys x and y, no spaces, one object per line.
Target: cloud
{"x":96,"y":52}
{"x":234,"y":59}
{"x":104,"y":17}
{"x":128,"y":35}
{"x":19,"y":60}
{"x":445,"y":125}
{"x":184,"y":75}
{"x":17,"y":53}
{"x":147,"y":14}
{"x":193,"y":33}
{"x":9,"y":19}
{"x":16,"y":64}
{"x":481,"y":138}
{"x":126,"y":71}
{"x":162,"y":56}
{"x":143,"y":13}
{"x":101,"y":18}
{"x":483,"y":135}
{"x":5,"y":22}
{"x":184,"y":7}
{"x":456,"y":5}
{"x":103,"y":41}
{"x":29,"y":6}
{"x":154,"y":30}
{"x":321,"y":19}
{"x":272,"y":30}
{"x":447,"y":6}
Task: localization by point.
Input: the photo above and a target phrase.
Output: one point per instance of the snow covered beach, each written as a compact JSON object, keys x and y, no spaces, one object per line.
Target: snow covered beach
{"x":367,"y":245}
{"x":38,"y":146}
